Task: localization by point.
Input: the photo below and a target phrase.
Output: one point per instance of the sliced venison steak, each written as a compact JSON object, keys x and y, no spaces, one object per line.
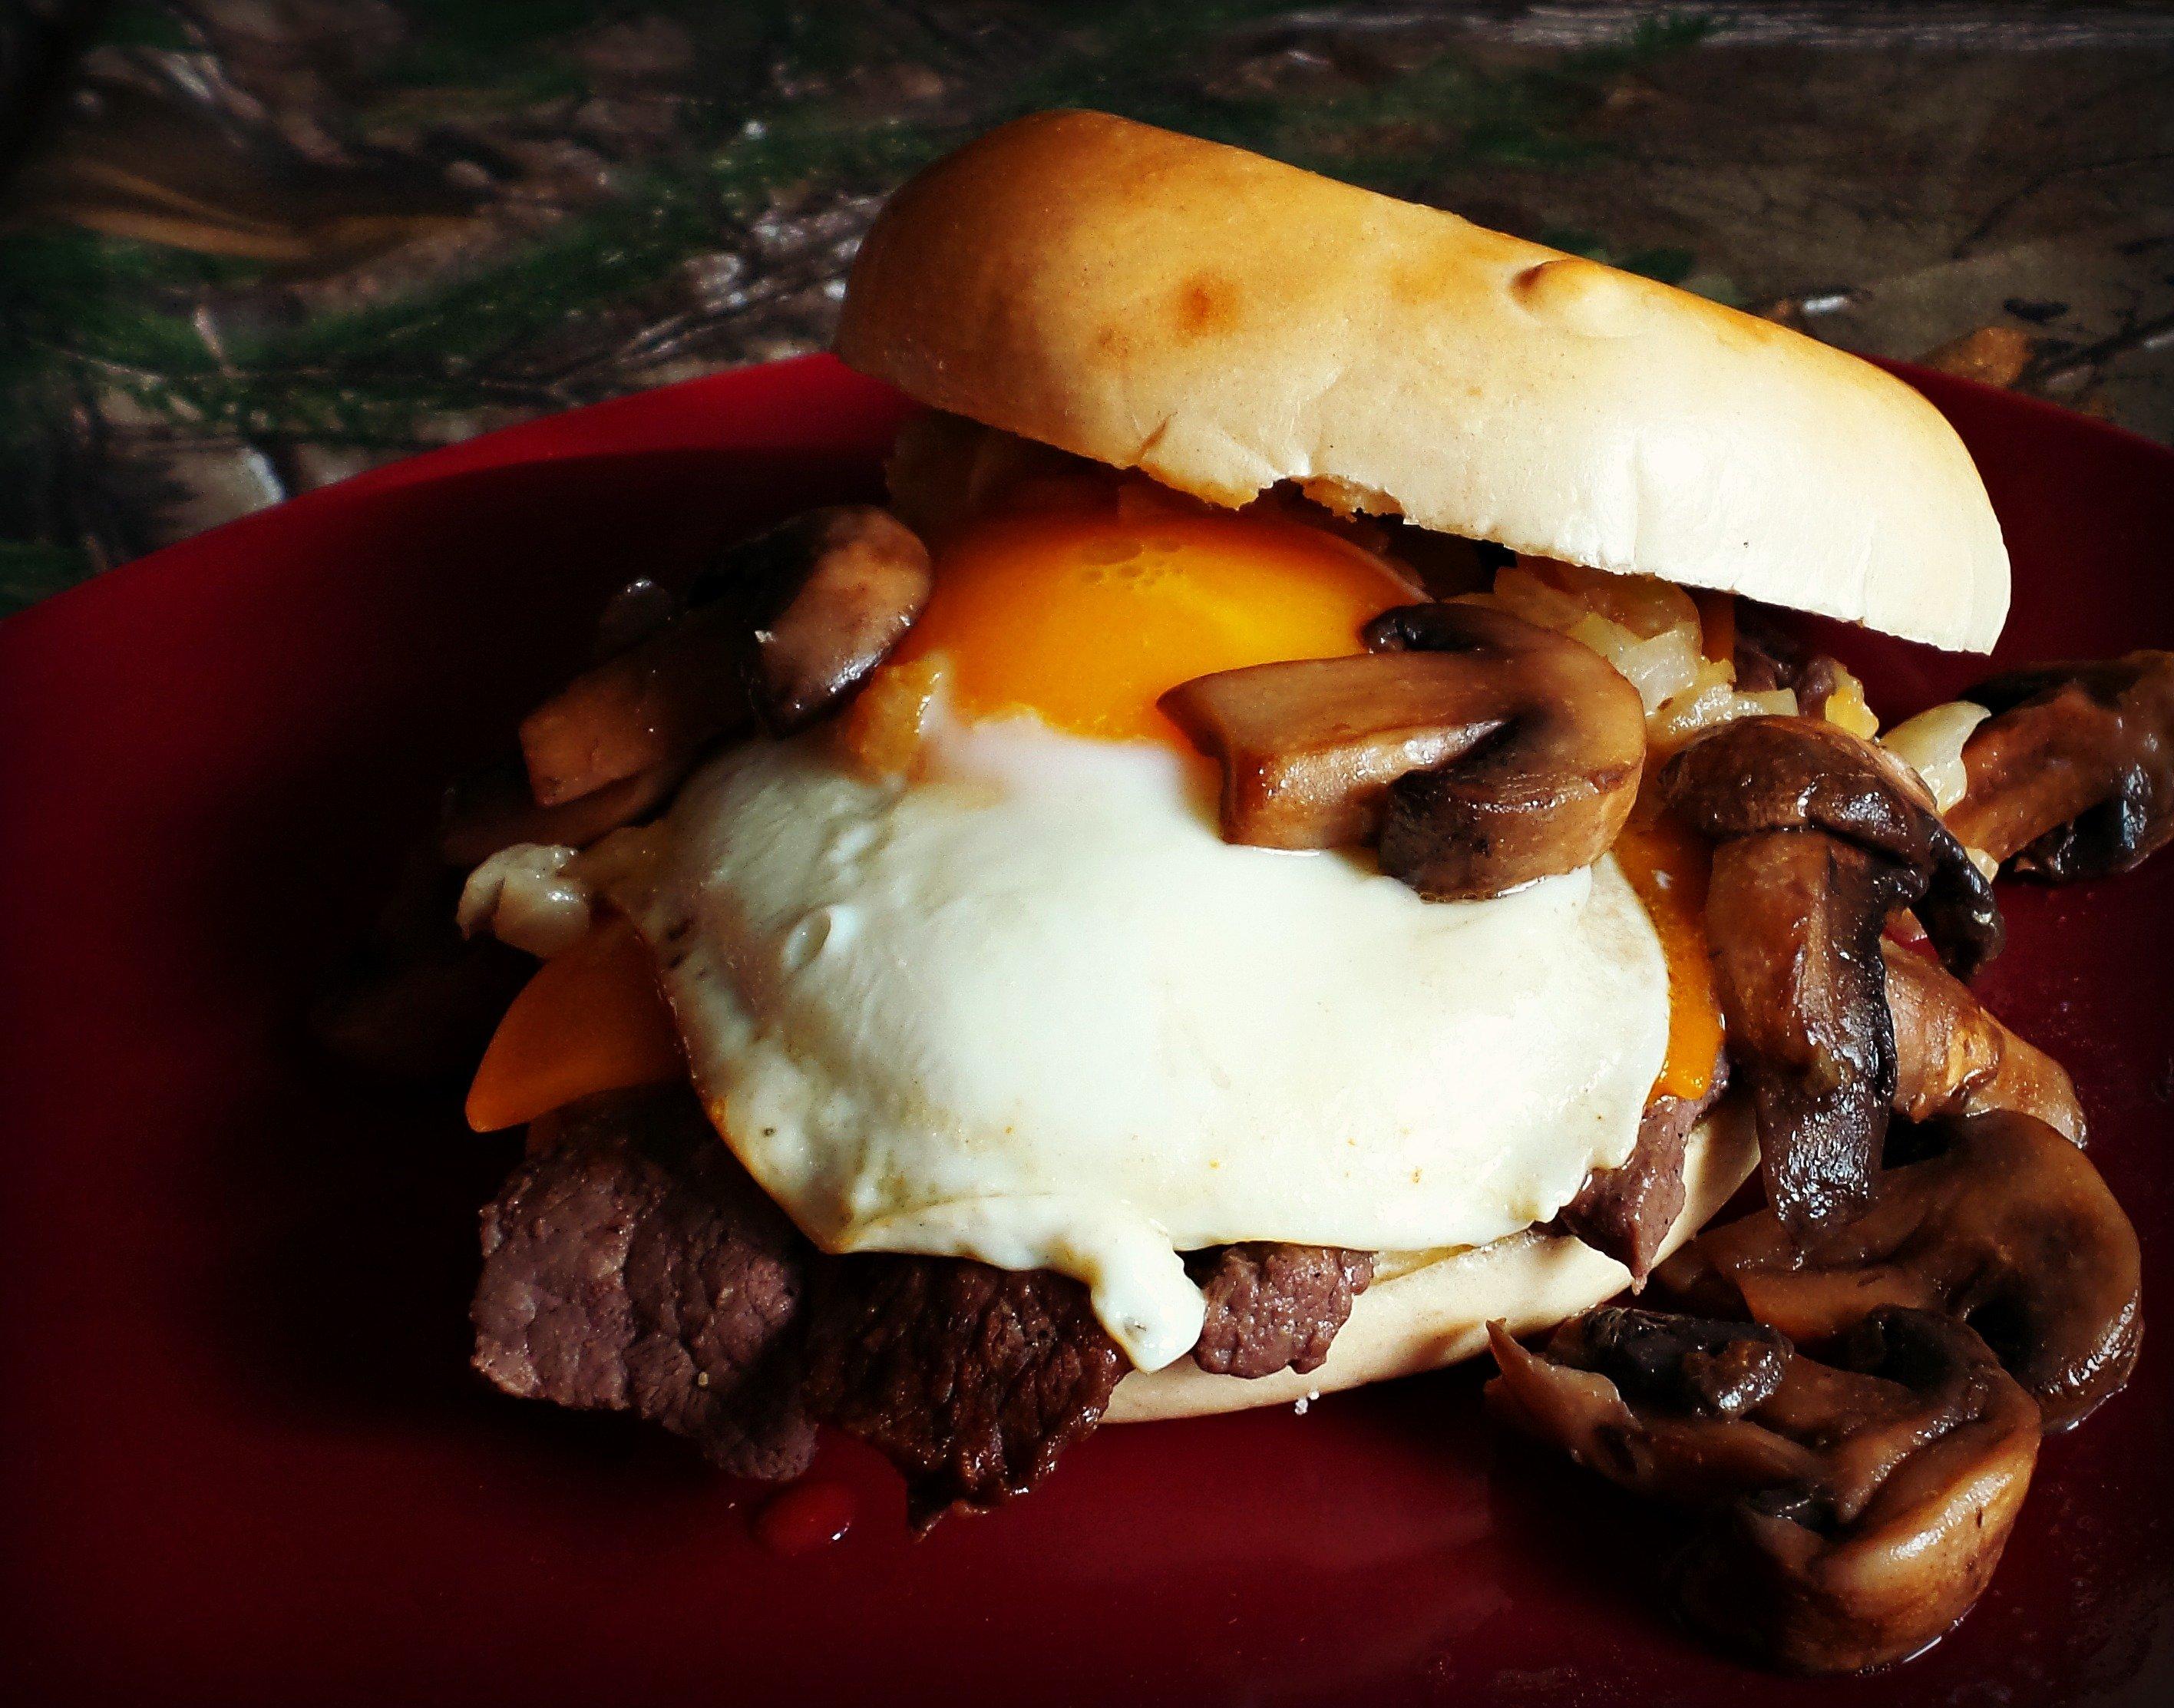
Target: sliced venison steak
{"x":633,"y":1266}
{"x":1625,"y":1212}
{"x":1274,"y":1306}
{"x":972,"y":1380}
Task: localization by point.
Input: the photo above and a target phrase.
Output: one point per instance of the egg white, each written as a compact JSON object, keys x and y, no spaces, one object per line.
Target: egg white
{"x":1033,"y":1010}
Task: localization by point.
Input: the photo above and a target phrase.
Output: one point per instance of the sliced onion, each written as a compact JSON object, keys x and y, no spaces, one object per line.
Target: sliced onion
{"x":1846,"y":708}
{"x":1932,"y":744}
{"x":1659,"y":656}
{"x":1771,"y":702}
{"x":1649,"y":629}
{"x":1523,"y":594}
{"x":1660,"y":667}
{"x":1645,"y":605}
{"x":1712,"y":699}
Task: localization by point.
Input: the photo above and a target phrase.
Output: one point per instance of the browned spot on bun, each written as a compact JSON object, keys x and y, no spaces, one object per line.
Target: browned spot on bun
{"x":1205,"y":304}
{"x":1425,"y":278}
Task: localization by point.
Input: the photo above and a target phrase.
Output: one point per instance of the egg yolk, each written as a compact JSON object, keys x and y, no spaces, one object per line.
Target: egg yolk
{"x":1667,"y":866}
{"x":1086,"y":620}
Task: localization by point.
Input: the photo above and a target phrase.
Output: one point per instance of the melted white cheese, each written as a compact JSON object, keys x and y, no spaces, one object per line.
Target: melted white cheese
{"x":1039,"y":1013}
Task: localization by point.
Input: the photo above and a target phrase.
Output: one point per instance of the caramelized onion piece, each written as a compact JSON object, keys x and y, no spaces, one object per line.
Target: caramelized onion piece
{"x":2072,"y":776}
{"x":2010,"y":1228}
{"x":782,"y":628}
{"x":1800,"y":773}
{"x":1953,"y":1057}
{"x":824,"y":597}
{"x":1479,"y":751}
{"x":1793,"y":918}
{"x":1851,"y":1511}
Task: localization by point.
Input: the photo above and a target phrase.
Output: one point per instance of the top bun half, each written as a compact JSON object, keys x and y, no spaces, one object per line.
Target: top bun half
{"x":1222,"y":322}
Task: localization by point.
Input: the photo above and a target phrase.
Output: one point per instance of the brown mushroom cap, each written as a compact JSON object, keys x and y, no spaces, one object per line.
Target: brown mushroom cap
{"x":492,"y":809}
{"x":1698,"y":1366}
{"x":2072,"y":776}
{"x":1798,"y":773}
{"x":1896,"y":1545}
{"x":824,"y":597}
{"x":2010,"y":1228}
{"x":1480,"y":752}
{"x":1853,"y":1509}
{"x":777,"y":631}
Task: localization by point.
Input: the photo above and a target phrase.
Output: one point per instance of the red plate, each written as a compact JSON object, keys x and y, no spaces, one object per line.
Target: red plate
{"x":245,"y":1460}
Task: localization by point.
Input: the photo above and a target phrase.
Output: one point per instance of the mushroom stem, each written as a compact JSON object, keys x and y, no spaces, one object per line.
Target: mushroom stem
{"x":1953,"y":1057}
{"x":1794,"y":919}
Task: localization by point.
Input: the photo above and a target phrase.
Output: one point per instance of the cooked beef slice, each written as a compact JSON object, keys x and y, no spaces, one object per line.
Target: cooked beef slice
{"x":972,"y":1380}
{"x":631,"y":1265}
{"x":1273,"y":1306}
{"x":1625,"y":1212}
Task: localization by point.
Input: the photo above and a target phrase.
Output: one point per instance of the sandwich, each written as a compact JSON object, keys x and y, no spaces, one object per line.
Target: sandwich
{"x":1297,"y":846}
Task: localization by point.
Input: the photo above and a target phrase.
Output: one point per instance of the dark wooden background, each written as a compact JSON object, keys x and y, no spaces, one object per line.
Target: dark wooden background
{"x":248,"y":246}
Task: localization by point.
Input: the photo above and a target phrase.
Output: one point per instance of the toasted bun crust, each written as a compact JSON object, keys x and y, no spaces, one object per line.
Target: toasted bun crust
{"x":1224,"y":322}
{"x":1438,"y":1315}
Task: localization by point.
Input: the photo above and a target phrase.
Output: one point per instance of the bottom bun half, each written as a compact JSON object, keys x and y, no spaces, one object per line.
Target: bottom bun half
{"x":1436,"y":1313}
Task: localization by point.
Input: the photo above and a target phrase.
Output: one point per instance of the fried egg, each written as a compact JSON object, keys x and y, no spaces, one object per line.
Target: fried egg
{"x":971,"y":972}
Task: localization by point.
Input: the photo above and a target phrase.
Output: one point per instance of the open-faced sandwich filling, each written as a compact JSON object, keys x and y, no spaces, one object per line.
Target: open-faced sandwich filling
{"x":1590,"y":787}
{"x":1171,"y":924}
